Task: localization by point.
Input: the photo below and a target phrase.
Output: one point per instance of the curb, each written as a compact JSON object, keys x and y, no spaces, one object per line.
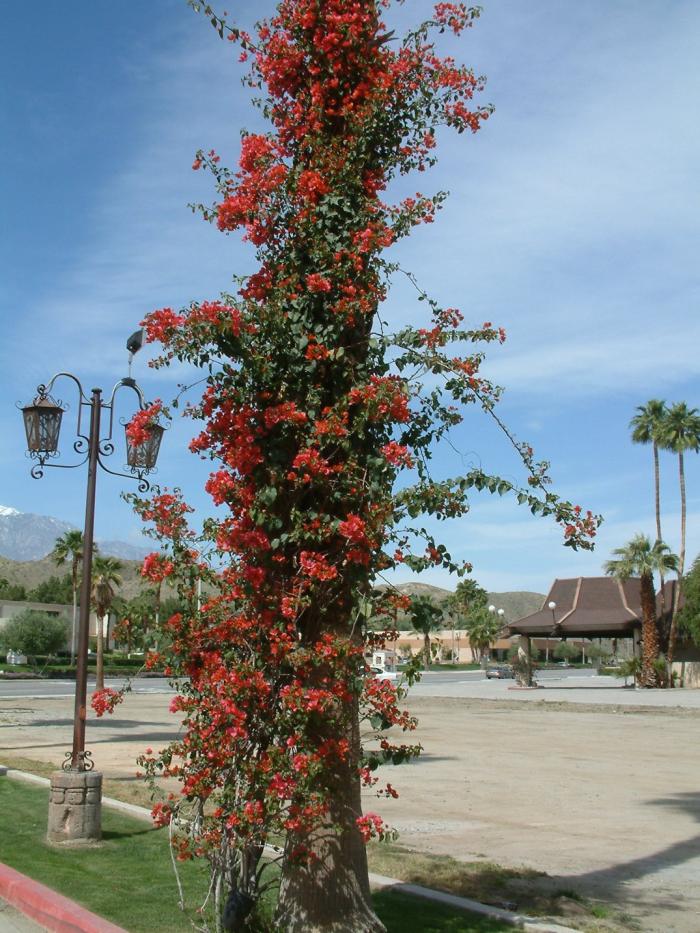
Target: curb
{"x":379,"y":882}
{"x":53,"y":911}
{"x":519,"y":921}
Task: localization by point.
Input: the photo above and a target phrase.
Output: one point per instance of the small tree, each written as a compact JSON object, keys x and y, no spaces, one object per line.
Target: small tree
{"x":535,"y":652}
{"x":483,"y":628}
{"x":689,"y":616}
{"x":33,"y":633}
{"x":12,"y":591}
{"x":426,"y":617}
{"x":566,"y":651}
{"x":53,"y":590}
{"x":597,"y":655}
{"x":105,"y":577}
{"x":70,"y":547}
{"x":467,"y":597}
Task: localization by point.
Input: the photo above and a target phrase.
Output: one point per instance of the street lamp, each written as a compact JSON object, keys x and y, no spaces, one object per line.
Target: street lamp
{"x":551,"y":605}
{"x":76,"y":791}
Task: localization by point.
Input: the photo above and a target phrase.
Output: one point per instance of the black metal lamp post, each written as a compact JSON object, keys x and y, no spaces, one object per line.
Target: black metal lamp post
{"x":42,"y":421}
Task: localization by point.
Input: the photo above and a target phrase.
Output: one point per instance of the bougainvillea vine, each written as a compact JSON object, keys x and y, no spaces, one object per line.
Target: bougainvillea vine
{"x":311,"y":414}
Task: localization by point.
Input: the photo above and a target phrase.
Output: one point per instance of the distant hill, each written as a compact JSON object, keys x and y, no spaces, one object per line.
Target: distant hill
{"x":516,"y":605}
{"x":31,"y":573}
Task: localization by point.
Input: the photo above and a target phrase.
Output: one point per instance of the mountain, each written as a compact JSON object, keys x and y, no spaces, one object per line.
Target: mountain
{"x":125,"y":551}
{"x":25,"y":536}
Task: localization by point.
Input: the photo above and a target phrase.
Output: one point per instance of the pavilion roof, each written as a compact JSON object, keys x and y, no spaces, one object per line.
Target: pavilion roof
{"x":594,"y":607}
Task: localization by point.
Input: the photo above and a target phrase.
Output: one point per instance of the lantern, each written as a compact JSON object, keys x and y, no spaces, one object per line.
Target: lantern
{"x":143,"y":456}
{"x":42,"y":422}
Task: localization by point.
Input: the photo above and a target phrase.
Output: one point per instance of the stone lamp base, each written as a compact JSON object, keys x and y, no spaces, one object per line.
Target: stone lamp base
{"x":75,"y":808}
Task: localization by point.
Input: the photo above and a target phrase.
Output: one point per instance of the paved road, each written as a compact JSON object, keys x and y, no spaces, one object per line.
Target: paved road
{"x":575,"y":685}
{"x":432,"y":680}
{"x":38,"y":689}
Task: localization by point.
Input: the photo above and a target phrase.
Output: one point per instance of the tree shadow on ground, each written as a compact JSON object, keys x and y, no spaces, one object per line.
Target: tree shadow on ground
{"x":91,"y":723}
{"x":108,"y":834}
{"x":147,"y":738}
{"x":427,"y":759}
{"x":611,"y":883}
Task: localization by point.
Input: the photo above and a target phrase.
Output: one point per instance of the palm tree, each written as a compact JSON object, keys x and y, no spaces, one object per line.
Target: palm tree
{"x":646,"y":426}
{"x":426,"y":617}
{"x":468,"y":596}
{"x":645,"y":430}
{"x":680,"y":431}
{"x":105,"y":576}
{"x":483,"y":628}
{"x":639,"y":558}
{"x":70,"y":547}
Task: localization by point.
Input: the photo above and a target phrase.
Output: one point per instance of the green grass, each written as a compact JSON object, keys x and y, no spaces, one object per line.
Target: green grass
{"x":129,"y":878}
{"x":401,"y":913}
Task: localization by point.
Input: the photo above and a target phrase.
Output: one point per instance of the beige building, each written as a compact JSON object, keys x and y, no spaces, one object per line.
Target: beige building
{"x":9,"y":608}
{"x":450,"y":645}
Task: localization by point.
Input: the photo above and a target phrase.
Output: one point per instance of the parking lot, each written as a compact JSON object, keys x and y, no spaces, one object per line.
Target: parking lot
{"x":592,"y":783}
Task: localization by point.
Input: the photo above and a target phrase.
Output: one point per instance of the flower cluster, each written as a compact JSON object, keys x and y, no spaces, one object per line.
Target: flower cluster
{"x":106,"y":700}
{"x":140,"y":428}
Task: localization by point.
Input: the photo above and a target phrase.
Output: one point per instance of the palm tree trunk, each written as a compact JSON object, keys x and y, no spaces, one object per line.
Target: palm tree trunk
{"x":657,"y":499}
{"x":681,"y":565}
{"x":650,"y":634}
{"x":100,"y":659}
{"x":157,"y":618}
{"x":74,"y":580}
{"x":73,"y":632}
{"x":426,"y":651}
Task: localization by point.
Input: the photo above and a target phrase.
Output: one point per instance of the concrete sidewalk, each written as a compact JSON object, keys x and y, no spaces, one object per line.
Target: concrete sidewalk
{"x":12,"y":921}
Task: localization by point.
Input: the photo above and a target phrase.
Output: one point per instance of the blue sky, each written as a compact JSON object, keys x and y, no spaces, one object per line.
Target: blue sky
{"x":573,"y":223}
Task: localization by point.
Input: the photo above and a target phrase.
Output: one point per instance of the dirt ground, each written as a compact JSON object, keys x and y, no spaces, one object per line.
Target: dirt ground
{"x":604,"y":799}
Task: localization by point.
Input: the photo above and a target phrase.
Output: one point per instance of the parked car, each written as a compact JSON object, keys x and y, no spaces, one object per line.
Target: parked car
{"x":501,"y":672}
{"x":381,"y":674}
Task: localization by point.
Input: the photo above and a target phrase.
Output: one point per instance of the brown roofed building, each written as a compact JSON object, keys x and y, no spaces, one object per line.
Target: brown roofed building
{"x":586,"y":607}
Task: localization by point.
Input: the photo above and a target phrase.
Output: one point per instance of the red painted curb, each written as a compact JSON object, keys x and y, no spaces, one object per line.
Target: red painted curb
{"x":50,"y":909}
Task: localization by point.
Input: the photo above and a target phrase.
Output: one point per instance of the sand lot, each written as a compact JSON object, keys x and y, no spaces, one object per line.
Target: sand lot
{"x":605,"y":799}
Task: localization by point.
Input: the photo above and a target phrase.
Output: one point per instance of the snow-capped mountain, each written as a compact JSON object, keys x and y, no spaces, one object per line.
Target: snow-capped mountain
{"x":26,"y":536}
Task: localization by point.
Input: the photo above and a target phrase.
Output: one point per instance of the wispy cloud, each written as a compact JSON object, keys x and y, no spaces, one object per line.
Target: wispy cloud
{"x":145,"y":249}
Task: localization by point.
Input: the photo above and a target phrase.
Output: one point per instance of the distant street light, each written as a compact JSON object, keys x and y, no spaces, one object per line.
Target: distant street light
{"x":500,"y":613}
{"x":551,"y":605}
{"x":74,"y":808}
